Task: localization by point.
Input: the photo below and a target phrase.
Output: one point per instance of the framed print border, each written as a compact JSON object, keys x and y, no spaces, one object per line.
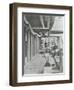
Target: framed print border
{"x":13,"y":43}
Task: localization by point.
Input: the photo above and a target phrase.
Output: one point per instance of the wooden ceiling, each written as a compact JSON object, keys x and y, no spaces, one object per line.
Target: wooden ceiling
{"x":40,"y":23}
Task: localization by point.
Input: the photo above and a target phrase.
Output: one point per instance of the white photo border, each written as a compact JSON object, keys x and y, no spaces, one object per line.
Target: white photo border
{"x":37,"y":78}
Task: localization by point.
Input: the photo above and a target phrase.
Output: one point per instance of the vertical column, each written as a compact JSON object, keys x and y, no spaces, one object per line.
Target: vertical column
{"x":58,"y":41}
{"x":28,"y":52}
{"x":35,"y":45}
{"x":32,"y":45}
{"x":40,"y":43}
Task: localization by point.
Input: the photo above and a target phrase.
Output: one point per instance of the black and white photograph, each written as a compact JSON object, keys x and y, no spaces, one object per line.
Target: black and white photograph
{"x":42,"y":43}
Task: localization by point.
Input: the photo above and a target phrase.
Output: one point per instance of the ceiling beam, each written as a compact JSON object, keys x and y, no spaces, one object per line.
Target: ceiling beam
{"x":48,"y":22}
{"x":39,"y":28}
{"x":42,"y":22}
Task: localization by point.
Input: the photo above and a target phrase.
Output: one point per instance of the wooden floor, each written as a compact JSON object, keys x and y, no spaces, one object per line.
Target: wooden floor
{"x":37,"y":65}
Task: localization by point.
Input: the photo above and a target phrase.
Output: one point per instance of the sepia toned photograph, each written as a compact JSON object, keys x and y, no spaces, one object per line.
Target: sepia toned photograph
{"x":42,"y":43}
